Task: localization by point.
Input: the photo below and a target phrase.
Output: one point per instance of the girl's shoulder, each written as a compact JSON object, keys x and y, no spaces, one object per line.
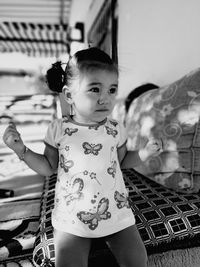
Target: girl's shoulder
{"x":117,"y":126}
{"x":58,"y":124}
{"x":60,"y":121}
{"x":112,"y":122}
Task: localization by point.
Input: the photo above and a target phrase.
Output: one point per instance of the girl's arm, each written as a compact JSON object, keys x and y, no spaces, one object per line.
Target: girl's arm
{"x":45,"y":164}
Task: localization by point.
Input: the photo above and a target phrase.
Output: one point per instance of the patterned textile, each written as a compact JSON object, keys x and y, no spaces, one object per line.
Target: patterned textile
{"x":169,"y":118}
{"x":18,"y":262}
{"x":19,"y":218}
{"x":166,"y":219}
{"x":18,"y":227}
{"x":44,"y":254}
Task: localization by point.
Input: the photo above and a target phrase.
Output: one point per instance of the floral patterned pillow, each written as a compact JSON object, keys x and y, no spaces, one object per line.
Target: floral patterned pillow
{"x":170,"y":118}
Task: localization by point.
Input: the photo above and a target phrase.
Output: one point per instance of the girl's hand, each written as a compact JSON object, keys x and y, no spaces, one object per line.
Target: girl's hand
{"x":152,"y":148}
{"x":12,"y":139}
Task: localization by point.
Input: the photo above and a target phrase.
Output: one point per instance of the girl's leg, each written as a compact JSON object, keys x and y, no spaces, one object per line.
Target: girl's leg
{"x":128,"y":248}
{"x":71,"y":250}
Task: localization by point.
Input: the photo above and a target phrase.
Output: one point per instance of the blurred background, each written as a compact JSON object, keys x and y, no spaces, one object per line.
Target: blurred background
{"x":153,"y":41}
{"x":33,"y":36}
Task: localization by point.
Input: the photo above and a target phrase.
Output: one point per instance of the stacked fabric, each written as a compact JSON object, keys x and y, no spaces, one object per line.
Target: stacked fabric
{"x":19,"y":214}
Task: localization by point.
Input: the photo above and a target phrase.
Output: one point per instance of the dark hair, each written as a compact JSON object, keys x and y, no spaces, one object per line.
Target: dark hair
{"x":55,"y":77}
{"x":85,"y":59}
{"x":137,"y":92}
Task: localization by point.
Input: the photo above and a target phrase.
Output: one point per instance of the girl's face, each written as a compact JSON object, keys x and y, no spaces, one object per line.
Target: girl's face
{"x":94,"y":98}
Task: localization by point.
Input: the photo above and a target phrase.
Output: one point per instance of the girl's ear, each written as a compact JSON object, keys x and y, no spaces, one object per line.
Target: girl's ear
{"x":67,"y":94}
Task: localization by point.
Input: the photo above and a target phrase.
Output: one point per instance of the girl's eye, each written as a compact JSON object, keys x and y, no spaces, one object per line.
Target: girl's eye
{"x":113,"y":90}
{"x":94,"y":89}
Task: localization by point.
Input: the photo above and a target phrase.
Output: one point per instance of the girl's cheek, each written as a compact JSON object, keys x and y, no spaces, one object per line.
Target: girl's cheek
{"x":114,"y":99}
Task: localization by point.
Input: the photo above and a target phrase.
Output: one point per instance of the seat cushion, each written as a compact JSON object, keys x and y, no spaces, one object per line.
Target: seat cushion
{"x":166,"y":220}
{"x":169,"y":116}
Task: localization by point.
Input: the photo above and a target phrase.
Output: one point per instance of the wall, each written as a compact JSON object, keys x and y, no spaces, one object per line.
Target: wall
{"x":159,"y":41}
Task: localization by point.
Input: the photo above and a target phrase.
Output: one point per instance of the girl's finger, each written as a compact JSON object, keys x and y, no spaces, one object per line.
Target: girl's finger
{"x":14,"y":136}
{"x":11,"y":134}
{"x":11,"y":139}
{"x":11,"y":122}
{"x":12,"y":125}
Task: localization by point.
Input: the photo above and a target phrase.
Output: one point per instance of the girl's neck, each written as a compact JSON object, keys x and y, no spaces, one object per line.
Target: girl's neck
{"x":86,"y":123}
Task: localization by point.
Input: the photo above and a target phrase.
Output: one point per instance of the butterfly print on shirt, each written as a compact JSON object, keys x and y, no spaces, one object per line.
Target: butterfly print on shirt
{"x":74,"y":191}
{"x":93,"y":219}
{"x":112,"y":170}
{"x":70,"y":131}
{"x":94,"y":127}
{"x":91,"y":148}
{"x":93,"y":176}
{"x":122,"y":200}
{"x":111,"y":131}
{"x":114,"y":123}
{"x":65,"y":164}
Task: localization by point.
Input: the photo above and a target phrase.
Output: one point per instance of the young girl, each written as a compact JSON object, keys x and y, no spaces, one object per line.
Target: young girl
{"x":87,"y":148}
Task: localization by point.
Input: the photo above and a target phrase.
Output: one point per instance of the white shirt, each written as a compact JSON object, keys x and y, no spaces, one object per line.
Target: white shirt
{"x":91,"y":199}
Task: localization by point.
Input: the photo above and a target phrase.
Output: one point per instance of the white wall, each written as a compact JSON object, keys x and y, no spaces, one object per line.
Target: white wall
{"x":159,"y":41}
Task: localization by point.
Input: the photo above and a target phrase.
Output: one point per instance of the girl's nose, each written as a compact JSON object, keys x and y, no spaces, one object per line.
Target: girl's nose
{"x":103,"y":99}
{"x":100,"y":101}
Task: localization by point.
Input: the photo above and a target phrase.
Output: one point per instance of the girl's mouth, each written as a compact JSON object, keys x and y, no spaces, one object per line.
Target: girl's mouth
{"x":102,"y":110}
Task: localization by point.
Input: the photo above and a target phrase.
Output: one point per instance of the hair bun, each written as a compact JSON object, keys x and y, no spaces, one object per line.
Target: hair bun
{"x":55,"y":77}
